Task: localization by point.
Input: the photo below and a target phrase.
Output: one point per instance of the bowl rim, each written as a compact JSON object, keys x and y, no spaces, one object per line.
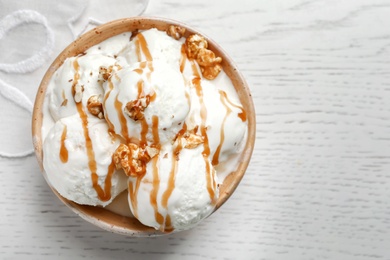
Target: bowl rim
{"x":144,"y":22}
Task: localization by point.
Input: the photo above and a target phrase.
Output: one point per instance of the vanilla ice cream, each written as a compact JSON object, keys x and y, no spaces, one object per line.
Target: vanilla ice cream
{"x":164,"y":88}
{"x":153,"y":114}
{"x":68,"y":164}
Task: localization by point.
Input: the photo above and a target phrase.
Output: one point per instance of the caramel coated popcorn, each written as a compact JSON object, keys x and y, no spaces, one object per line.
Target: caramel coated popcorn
{"x":133,"y":159}
{"x":78,"y":93}
{"x":194,"y":43}
{"x":196,"y":48}
{"x":176,"y":32}
{"x":206,"y":58}
{"x":192,"y":140}
{"x":211,"y":72}
{"x":135,"y":108}
{"x":95,"y":107}
{"x":105,"y":73}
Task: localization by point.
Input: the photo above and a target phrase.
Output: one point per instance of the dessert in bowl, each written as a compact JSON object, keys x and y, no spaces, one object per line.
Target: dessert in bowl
{"x":143,"y":126}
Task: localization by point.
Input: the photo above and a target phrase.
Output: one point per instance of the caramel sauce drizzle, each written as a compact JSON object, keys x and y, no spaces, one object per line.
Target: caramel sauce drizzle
{"x":110,"y":124}
{"x":139,"y":71}
{"x":242,"y":114}
{"x":167,"y":227}
{"x":133,"y":195}
{"x":172,"y":175}
{"x":144,"y":131}
{"x":168,"y":224}
{"x":141,"y":44}
{"x":224,"y":101}
{"x":65,"y":100}
{"x":153,"y":194}
{"x":142,"y":65}
{"x":156,"y":136}
{"x":211,"y":185}
{"x":183,"y":58}
{"x":121,"y":117}
{"x":134,"y":191}
{"x":63,"y":150}
{"x":156,"y":178}
{"x":164,"y":222}
{"x":138,"y":49}
{"x":103,"y":194}
{"x":140,"y":89}
{"x":144,"y":124}
{"x":144,"y":47}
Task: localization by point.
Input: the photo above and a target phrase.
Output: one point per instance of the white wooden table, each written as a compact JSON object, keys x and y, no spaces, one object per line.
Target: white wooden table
{"x":318,"y":185}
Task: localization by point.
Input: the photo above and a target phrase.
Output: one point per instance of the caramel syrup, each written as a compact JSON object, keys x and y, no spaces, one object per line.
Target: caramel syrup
{"x":104,"y":194}
{"x":168,"y":224}
{"x":172,"y":175}
{"x":63,"y":149}
{"x":156,"y":177}
{"x":138,"y":49}
{"x":211,"y":185}
{"x":144,"y":47}
{"x":242,"y":114}
{"x":107,"y":95}
{"x":122,"y":119}
{"x":64,"y":99}
{"x":183,"y":58}
{"x":224,"y":101}
{"x":133,"y":192}
{"x":141,"y":46}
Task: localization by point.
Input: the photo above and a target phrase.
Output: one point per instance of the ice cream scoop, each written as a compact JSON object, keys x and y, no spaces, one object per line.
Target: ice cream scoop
{"x":78,"y":175}
{"x":146,"y":91}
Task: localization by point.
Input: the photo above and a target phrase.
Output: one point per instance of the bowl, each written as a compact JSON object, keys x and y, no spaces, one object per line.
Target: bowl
{"x":104,"y":218}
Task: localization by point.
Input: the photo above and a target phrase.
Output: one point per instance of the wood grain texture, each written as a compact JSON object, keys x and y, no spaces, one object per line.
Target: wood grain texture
{"x":318,"y":183}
